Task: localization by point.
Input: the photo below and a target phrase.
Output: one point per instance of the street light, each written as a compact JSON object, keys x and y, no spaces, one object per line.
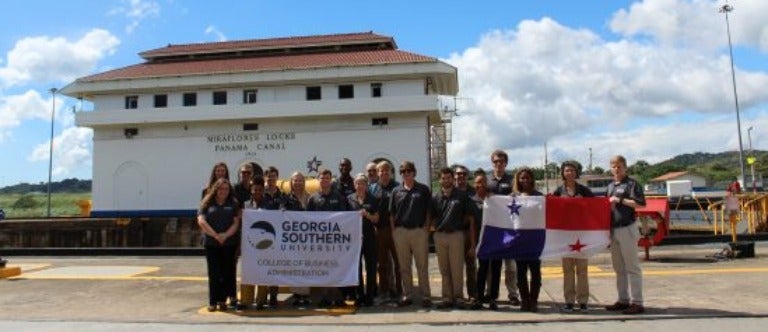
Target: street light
{"x":50,"y":150}
{"x":751,"y":159}
{"x":726,"y":8}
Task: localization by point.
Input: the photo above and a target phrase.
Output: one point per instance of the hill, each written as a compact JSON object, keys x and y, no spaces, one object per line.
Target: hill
{"x":715,"y":167}
{"x":73,"y":185}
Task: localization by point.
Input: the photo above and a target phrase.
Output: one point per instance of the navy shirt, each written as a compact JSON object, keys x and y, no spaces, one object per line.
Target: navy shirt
{"x":370,"y":204}
{"x":220,"y":218}
{"x":383,"y":195}
{"x":409,"y":206}
{"x":501,"y":186}
{"x":274,"y":202}
{"x":450,"y":211}
{"x":345,"y":186}
{"x":621,"y":214}
{"x":333,"y":201}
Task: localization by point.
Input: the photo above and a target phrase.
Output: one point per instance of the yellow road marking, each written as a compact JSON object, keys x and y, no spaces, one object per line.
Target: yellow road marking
{"x":550,"y":274}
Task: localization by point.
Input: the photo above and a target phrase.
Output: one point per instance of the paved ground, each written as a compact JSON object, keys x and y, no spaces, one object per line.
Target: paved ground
{"x":168,"y":293}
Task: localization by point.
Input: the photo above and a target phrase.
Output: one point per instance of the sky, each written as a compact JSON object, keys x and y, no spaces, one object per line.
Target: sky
{"x":646,"y":79}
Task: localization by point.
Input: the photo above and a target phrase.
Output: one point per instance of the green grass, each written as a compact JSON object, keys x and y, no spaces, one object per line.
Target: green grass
{"x":62,"y":205}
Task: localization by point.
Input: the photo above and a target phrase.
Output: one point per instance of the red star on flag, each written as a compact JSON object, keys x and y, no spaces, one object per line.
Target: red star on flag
{"x":577,"y":246}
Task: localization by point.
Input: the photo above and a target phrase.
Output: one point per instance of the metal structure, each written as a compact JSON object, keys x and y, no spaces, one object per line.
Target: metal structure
{"x":727,"y":8}
{"x":50,"y":149}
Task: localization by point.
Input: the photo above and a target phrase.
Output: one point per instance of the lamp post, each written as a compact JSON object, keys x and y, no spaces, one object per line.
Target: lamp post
{"x":726,"y":8}
{"x":751,"y":159}
{"x":50,"y":150}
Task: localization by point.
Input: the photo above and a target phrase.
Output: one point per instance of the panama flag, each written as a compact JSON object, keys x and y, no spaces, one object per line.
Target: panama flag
{"x":539,"y":227}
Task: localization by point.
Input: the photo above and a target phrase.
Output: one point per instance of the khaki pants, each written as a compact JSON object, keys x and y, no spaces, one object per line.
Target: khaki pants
{"x":626,"y":264}
{"x":575,"y":280}
{"x":510,"y":277}
{"x":412,"y":245}
{"x":450,"y":259}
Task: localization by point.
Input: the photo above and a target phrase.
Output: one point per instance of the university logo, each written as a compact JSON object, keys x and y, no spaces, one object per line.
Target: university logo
{"x":262,"y":235}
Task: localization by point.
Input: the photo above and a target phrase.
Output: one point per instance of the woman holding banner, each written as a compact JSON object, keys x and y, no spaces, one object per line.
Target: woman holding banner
{"x":529,"y":294}
{"x":219,"y":220}
{"x":361,"y":200}
{"x":575,"y":278}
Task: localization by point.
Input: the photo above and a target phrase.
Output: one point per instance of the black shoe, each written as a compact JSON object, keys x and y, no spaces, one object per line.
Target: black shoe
{"x":222,"y":306}
{"x":634,"y":309}
{"x":445,"y":305}
{"x":618,"y":306}
{"x":211,"y":308}
{"x":273,"y":302}
{"x":583,"y":307}
{"x":513,"y":300}
{"x":426,"y":303}
{"x":492,"y":305}
{"x":404,"y":302}
{"x":476,"y":305}
{"x":567,"y":308}
{"x":324,"y":303}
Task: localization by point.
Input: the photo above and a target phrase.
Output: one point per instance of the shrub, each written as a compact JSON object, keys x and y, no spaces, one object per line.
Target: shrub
{"x":26,"y":202}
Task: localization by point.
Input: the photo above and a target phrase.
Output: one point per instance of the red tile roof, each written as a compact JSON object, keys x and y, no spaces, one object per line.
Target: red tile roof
{"x":669,"y":176}
{"x":271,"y":43}
{"x":302,"y":52}
{"x":261,"y":63}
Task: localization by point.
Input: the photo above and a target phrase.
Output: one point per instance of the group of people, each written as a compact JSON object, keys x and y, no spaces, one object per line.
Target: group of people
{"x":398,"y":218}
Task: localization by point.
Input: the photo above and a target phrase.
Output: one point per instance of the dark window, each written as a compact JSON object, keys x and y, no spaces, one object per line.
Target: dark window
{"x":375,"y":90}
{"x":346,"y":91}
{"x":250,"y":126}
{"x":249,"y":96}
{"x":380,"y":121}
{"x":131,"y":102}
{"x":161,"y":100}
{"x":219,"y":97}
{"x":190,"y":99}
{"x":313,"y":93}
{"x":130,"y":132}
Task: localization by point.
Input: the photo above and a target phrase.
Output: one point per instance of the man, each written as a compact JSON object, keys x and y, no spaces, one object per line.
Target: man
{"x":243,"y":186}
{"x":390,"y":283}
{"x":328,"y":199}
{"x":461,"y":175}
{"x":372,"y":173}
{"x":272,"y":194}
{"x":625,"y":195}
{"x":500,"y":183}
{"x":410,"y":217}
{"x":452,"y":219}
{"x":344,"y":184}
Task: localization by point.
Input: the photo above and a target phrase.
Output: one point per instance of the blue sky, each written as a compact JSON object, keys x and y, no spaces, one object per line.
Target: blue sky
{"x":648,"y":79}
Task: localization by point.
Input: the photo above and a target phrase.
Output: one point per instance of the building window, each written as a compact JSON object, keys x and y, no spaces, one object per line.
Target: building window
{"x":190,"y":99}
{"x":249,"y":96}
{"x":131,"y":102}
{"x":376,"y":90}
{"x":346,"y":91}
{"x":380,"y":122}
{"x":219,"y":97}
{"x":250,"y":126}
{"x":161,"y":101}
{"x":314,"y":93}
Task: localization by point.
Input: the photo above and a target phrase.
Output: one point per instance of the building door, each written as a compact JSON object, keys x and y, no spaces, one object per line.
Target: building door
{"x":131,"y":184}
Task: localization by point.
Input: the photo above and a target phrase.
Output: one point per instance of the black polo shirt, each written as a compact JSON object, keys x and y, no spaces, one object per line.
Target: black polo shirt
{"x":274,"y":202}
{"x":581,"y":191}
{"x":333,"y":201}
{"x":345,"y":186}
{"x":370,"y":204}
{"x":383,"y":195}
{"x":409,"y":206}
{"x":477,"y":212}
{"x":220,"y":218}
{"x":501,"y":186}
{"x":621,"y":214}
{"x":450,"y":211}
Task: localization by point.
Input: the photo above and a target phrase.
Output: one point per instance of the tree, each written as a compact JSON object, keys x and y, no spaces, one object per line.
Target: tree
{"x":598,"y":170}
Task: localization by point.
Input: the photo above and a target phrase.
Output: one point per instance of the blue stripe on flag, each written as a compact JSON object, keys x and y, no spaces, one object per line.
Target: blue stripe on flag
{"x":505,"y":243}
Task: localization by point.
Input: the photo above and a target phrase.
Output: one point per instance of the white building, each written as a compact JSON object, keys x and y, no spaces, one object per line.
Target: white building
{"x":294,"y":103}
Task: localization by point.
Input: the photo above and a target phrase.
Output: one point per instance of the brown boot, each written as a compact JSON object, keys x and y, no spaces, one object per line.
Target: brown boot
{"x":525,"y":296}
{"x":534,"y":298}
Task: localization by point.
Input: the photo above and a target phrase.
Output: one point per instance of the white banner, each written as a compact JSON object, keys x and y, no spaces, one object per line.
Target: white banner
{"x":301,"y":249}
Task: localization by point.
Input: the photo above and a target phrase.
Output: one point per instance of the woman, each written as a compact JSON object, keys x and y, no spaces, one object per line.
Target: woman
{"x":368,"y":206}
{"x":297,"y":201}
{"x":575,"y":278}
{"x":219,"y":220}
{"x":219,"y":171}
{"x":258,"y":201}
{"x":524,"y":186}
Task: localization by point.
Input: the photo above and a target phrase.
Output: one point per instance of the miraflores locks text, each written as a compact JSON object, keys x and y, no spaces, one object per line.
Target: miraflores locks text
{"x":250,"y":142}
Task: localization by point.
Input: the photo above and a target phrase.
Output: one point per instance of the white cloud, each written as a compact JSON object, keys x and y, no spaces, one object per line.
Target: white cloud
{"x":71,"y":151}
{"x":17,"y":108}
{"x":695,"y":23}
{"x":136,"y":11}
{"x":49,"y":60}
{"x":544,"y":82}
{"x":212,"y":30}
